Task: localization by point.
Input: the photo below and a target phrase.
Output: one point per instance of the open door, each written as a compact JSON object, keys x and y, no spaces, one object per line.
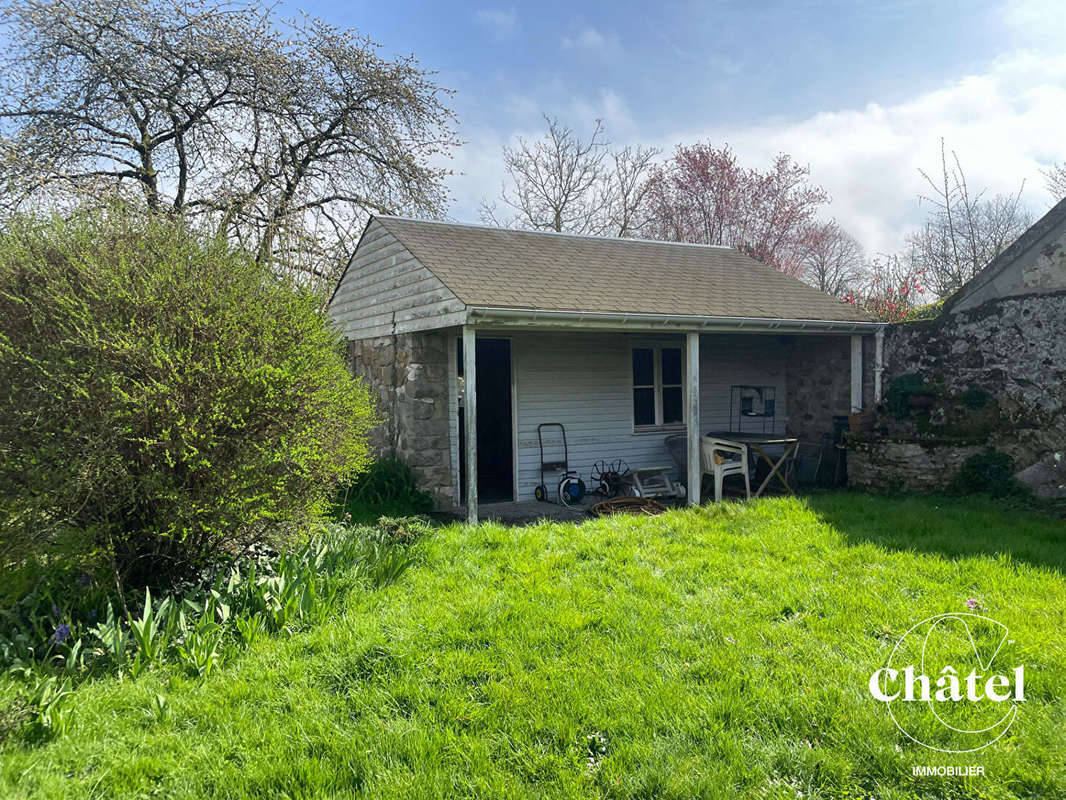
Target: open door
{"x":495,"y":425}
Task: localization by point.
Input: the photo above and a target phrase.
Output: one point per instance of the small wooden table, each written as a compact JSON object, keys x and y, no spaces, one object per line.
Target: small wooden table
{"x":758,"y":441}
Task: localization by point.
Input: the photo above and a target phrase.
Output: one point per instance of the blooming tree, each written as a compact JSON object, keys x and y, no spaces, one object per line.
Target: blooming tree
{"x":892,"y":290}
{"x":703,"y":195}
{"x":280,"y":136}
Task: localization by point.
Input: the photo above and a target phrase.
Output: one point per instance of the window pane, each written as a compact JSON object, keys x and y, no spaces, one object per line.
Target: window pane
{"x":643,"y":406}
{"x":671,"y":366}
{"x":672,"y":405}
{"x":643,"y":366}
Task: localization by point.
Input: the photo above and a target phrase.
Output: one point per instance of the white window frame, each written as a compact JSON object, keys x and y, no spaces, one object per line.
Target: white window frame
{"x":657,"y":388}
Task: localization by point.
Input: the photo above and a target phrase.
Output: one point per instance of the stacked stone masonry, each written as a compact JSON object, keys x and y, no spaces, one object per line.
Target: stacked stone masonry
{"x":408,"y":374}
{"x":818,"y":383}
{"x":1013,"y":349}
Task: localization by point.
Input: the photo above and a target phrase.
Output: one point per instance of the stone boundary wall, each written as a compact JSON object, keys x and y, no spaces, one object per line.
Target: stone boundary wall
{"x":887,"y":465}
{"x":408,"y":377}
{"x":1013,"y":349}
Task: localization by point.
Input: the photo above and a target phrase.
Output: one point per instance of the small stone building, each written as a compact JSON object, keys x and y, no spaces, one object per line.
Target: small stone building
{"x":995,"y":361}
{"x":471,"y":337}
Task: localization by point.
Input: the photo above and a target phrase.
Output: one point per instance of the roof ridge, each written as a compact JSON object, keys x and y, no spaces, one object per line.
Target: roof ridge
{"x":586,"y":236}
{"x":1011,"y":253}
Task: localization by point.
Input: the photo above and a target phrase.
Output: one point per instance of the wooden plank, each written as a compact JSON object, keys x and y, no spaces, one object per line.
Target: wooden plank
{"x":387,"y":290}
{"x":470,"y":420}
{"x":692,"y":379}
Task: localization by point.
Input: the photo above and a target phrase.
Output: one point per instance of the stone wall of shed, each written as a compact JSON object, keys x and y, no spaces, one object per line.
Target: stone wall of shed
{"x":408,"y":376}
{"x":1014,"y":350}
{"x":818,"y":381}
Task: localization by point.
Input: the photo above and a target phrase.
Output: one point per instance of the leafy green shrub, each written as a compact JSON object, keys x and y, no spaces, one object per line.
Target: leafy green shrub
{"x":988,"y":472}
{"x":926,"y":311}
{"x":164,"y":398}
{"x":900,"y":389}
{"x":975,"y":398}
{"x":50,"y":700}
{"x":387,"y":488}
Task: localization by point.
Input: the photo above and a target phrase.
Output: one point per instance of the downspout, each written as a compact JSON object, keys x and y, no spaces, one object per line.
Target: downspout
{"x":879,"y":363}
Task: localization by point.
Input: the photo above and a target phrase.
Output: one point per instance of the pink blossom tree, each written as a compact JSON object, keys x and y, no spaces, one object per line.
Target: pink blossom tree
{"x":703,"y":195}
{"x":893,"y":288}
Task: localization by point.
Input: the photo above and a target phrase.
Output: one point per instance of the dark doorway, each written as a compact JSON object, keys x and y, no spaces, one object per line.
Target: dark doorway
{"x":495,"y":447}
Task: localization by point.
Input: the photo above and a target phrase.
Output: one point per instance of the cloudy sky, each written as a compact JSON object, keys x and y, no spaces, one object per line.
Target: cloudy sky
{"x":859,"y":91}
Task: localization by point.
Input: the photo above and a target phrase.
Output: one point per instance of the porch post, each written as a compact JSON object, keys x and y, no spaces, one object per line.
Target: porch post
{"x":692,"y":416}
{"x":470,"y":420}
{"x":856,"y":373}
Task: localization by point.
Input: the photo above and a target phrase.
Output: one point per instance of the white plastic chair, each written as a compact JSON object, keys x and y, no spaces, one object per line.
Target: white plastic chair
{"x":721,"y":457}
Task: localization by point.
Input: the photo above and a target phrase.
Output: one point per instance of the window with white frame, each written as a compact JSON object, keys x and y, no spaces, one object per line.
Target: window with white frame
{"x":658,"y":393}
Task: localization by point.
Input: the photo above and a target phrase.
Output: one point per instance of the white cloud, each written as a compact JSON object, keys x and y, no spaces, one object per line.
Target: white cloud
{"x":1036,"y":22}
{"x":1005,"y":123}
{"x":501,"y":22}
{"x":593,"y":41}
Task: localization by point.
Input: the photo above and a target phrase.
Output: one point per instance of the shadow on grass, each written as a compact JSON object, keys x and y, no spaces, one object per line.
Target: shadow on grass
{"x":954,"y":527}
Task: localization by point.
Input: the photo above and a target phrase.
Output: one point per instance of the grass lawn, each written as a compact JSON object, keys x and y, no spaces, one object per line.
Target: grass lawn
{"x":712,"y":653}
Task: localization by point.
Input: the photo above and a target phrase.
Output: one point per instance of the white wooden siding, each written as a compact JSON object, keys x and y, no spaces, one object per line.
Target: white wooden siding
{"x":727,"y":360}
{"x":387,"y":290}
{"x":584,"y":380}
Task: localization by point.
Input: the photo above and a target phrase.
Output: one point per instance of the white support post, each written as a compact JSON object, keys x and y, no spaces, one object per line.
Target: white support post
{"x":856,"y":373}
{"x":692,"y":417}
{"x":470,"y":420}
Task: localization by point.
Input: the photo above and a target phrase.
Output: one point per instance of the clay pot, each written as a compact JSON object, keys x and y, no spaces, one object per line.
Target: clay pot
{"x":862,"y":421}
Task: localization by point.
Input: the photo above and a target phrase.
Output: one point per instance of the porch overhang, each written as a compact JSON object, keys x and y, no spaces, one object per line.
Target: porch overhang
{"x":540,"y":319}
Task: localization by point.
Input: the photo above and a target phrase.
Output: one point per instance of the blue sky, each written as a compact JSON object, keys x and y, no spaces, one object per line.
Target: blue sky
{"x":859,"y":91}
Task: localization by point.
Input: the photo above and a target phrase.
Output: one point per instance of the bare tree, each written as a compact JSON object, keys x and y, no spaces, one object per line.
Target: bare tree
{"x":834,"y":261}
{"x":281,"y":138}
{"x":1055,"y":180}
{"x":563,"y":182}
{"x":964,"y":231}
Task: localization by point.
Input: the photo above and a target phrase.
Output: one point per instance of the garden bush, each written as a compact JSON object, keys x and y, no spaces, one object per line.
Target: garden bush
{"x":899,"y":390}
{"x":387,"y":488}
{"x":165,"y":399}
{"x":988,"y":472}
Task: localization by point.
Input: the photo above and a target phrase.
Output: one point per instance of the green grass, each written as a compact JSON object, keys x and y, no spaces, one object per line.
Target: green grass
{"x":714,"y":653}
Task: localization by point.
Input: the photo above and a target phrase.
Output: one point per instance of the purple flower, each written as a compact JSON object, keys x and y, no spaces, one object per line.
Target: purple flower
{"x":974,"y":604}
{"x":62,"y":633}
{"x":55,"y":610}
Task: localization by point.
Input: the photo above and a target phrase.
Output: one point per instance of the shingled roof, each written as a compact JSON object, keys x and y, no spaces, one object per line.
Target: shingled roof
{"x":509,"y":269}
